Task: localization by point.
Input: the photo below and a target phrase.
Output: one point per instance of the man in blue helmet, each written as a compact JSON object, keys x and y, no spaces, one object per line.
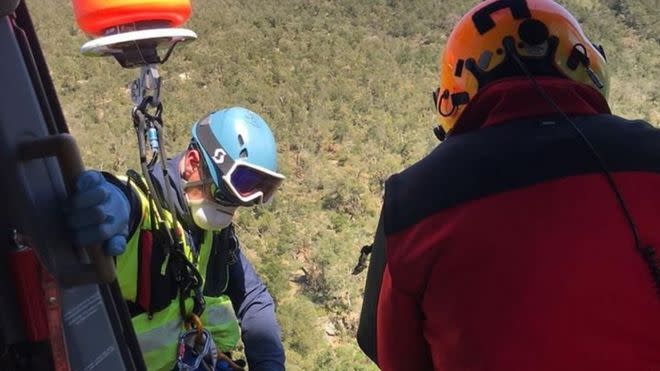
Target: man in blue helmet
{"x":203,"y":281}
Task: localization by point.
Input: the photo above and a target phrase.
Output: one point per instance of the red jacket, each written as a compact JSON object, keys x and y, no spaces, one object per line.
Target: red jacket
{"x":506,"y":249}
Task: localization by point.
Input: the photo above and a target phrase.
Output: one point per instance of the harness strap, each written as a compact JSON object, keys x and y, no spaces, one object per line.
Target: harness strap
{"x":144,"y":270}
{"x":174,"y":264}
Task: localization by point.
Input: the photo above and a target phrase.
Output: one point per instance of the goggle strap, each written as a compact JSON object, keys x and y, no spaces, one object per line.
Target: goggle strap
{"x":196,"y":183}
{"x":220,"y":159}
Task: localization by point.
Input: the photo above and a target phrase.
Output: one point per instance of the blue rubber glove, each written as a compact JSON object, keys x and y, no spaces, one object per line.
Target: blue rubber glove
{"x":98,"y":213}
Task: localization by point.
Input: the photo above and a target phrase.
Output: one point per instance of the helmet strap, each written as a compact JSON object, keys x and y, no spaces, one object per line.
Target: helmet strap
{"x":578,"y":57}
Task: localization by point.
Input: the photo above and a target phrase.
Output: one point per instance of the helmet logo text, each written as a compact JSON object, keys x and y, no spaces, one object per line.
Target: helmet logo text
{"x":219,"y":156}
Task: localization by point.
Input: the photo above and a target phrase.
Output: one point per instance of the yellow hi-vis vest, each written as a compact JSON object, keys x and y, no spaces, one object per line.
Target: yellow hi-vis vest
{"x":158,"y":336}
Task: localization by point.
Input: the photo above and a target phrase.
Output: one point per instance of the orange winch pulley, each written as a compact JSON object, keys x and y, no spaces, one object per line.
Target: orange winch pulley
{"x":96,"y":16}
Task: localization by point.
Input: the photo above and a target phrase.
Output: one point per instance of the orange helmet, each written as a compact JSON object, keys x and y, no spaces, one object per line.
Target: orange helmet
{"x":490,"y":41}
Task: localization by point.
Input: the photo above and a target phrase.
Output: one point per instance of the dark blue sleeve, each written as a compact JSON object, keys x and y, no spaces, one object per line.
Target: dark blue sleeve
{"x":256,"y":312}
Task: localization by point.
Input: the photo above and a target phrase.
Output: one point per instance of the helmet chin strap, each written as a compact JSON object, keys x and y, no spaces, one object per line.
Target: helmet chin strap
{"x":185,"y":208}
{"x":580,"y":57}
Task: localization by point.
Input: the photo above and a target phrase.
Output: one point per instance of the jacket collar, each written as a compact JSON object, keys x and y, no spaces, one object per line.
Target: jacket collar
{"x":518,"y":98}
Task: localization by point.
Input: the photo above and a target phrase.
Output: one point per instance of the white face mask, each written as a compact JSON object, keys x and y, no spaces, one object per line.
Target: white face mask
{"x":209,"y":215}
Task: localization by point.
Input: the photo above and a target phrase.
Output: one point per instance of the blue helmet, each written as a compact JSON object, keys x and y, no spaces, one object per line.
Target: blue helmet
{"x":241,"y":155}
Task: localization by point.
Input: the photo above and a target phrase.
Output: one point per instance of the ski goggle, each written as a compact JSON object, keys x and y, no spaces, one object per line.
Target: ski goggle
{"x":247,"y":183}
{"x":242,"y":183}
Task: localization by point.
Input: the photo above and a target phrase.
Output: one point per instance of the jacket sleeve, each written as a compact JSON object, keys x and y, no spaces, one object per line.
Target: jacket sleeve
{"x":367,"y":331}
{"x":400,"y":342}
{"x":133,"y":200}
{"x":400,"y":337}
{"x":256,"y":312}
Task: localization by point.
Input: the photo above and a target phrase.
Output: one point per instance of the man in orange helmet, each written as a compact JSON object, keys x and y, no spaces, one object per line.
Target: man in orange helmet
{"x":527,"y":240}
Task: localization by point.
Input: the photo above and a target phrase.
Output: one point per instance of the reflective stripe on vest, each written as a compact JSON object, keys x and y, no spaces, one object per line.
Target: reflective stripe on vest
{"x":159,"y":335}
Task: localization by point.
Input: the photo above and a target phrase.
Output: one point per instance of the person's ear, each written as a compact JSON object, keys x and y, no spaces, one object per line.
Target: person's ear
{"x":192,"y":162}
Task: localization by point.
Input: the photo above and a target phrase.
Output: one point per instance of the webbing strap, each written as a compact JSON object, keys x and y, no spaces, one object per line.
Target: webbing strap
{"x":54,"y":317}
